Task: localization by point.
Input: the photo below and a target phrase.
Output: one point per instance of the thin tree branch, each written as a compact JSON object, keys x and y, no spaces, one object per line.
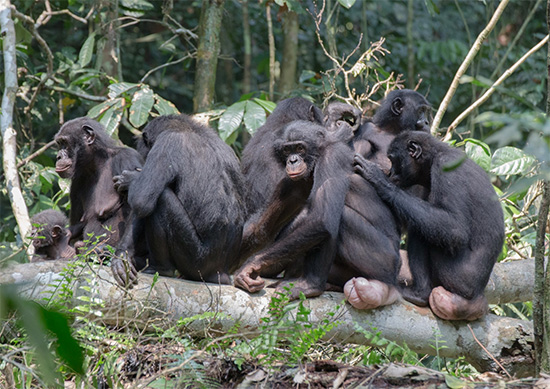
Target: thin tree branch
{"x":9,"y":141}
{"x":466,"y":63}
{"x":493,"y":87}
{"x":271,"y":40}
{"x":189,"y":55}
{"x":35,"y":154}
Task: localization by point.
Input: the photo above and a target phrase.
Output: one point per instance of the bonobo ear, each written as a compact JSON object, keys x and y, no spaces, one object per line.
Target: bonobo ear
{"x":89,"y":134}
{"x":414,"y":149}
{"x":397,"y":106}
{"x":56,"y":231}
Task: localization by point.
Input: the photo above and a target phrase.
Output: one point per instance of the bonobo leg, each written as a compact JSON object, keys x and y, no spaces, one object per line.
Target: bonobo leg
{"x":450,"y":306}
{"x":419,"y":264}
{"x":368,"y":294}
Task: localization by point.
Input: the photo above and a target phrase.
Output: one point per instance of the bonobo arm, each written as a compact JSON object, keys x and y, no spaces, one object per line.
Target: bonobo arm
{"x":123,"y":263}
{"x":159,"y":171}
{"x":441,"y":227}
{"x":122,"y":181}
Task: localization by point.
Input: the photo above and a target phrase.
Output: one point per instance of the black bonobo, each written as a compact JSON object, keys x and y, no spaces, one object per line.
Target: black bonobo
{"x":90,"y":158}
{"x":188,"y":200}
{"x":50,"y":236}
{"x":455,"y":233}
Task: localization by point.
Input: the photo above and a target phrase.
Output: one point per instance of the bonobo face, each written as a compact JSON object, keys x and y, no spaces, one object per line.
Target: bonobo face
{"x":64,"y":165}
{"x":406,"y":163}
{"x":295,"y":155}
{"x":423,"y":117}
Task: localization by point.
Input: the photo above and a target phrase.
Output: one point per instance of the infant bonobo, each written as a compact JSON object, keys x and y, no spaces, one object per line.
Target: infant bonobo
{"x":455,"y":232}
{"x":50,"y":236}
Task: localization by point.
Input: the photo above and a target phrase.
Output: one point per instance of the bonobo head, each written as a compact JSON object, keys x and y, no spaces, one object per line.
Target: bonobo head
{"x":404,"y":110}
{"x":49,"y":234}
{"x":338,"y":114}
{"x":299,"y":148}
{"x":80,"y":141}
{"x":411,"y":155}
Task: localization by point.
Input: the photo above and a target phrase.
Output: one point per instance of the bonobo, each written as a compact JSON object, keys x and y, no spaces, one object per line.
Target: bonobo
{"x":259,"y":163}
{"x":90,"y":158}
{"x":455,"y":233}
{"x":316,"y":227}
{"x":50,"y":236}
{"x":188,"y":200}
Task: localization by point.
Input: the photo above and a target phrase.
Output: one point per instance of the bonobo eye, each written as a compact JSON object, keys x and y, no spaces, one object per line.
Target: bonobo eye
{"x":300,"y":149}
{"x":286,"y":149}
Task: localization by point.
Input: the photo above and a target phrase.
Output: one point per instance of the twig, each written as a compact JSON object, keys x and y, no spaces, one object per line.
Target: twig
{"x":493,"y":87}
{"x":488,"y":353}
{"x":465,"y":64}
{"x":49,"y":56}
{"x":81,"y":95}
{"x":36,"y":154}
{"x":189,"y":55}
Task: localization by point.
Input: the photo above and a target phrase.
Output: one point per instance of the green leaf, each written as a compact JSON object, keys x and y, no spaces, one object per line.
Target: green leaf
{"x":307,"y":75}
{"x":346,"y":3}
{"x":510,"y":161}
{"x":432,"y":7}
{"x":119,"y":88}
{"x":142,"y":103}
{"x":269,"y":106}
{"x":165,"y":107}
{"x":254,"y":116}
{"x":455,"y":383}
{"x":87,"y":50}
{"x":96,"y":111}
{"x":111,"y":117}
{"x":478,"y":152}
{"x":231,"y":119}
{"x":137,"y":4}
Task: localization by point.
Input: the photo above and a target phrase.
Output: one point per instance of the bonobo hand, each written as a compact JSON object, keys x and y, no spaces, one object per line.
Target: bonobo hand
{"x":248,"y":278}
{"x":368,"y":170}
{"x":122,"y":181}
{"x":123,"y":269}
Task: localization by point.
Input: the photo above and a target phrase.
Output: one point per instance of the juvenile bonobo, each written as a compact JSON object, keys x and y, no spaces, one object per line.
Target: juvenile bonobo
{"x":90,"y":158}
{"x":401,"y":110}
{"x":188,"y":199}
{"x":50,"y":236}
{"x":455,"y":234}
{"x":317,"y":228}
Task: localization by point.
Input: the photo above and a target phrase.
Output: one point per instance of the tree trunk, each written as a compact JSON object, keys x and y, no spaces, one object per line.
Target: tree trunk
{"x":508,"y":340}
{"x":290,"y":52}
{"x":271,"y":40}
{"x":9,"y":144}
{"x":410,"y":45}
{"x":247,"y":42}
{"x":207,"y":54}
{"x":541,"y":302}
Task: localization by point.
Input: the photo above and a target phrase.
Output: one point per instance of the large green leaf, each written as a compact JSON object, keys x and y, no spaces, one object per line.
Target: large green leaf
{"x":165,"y":107}
{"x":87,"y":50}
{"x":231,"y":119}
{"x":119,"y":88}
{"x":96,"y":111}
{"x":269,"y":106}
{"x":142,"y":103}
{"x":510,"y":160}
{"x":254,"y":116}
{"x":111,"y":117}
{"x":478,"y":152}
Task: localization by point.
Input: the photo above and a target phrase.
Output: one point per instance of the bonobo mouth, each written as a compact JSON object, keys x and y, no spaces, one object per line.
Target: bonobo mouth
{"x":296,"y":175}
{"x":62,"y":167}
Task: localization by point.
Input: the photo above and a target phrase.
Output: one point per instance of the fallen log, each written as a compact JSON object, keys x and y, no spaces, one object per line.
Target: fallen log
{"x":510,"y":341}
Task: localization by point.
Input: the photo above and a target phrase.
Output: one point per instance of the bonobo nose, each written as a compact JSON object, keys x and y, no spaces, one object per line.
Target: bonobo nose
{"x":293,"y":159}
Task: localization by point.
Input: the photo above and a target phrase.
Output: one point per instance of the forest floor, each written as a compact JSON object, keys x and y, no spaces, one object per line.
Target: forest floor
{"x":150,"y":363}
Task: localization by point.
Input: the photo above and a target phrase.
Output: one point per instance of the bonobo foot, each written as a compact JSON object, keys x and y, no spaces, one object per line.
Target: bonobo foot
{"x":124,"y":270}
{"x":248,"y":278}
{"x":368,"y":294}
{"x":300,"y":285}
{"x":450,"y":306}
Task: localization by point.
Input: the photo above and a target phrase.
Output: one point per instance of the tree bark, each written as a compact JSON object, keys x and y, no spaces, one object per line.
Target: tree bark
{"x":289,"y":63}
{"x":9,"y":144}
{"x":271,"y":40}
{"x":410,"y":45}
{"x":207,"y":54}
{"x":508,"y":340}
{"x":247,"y":49}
